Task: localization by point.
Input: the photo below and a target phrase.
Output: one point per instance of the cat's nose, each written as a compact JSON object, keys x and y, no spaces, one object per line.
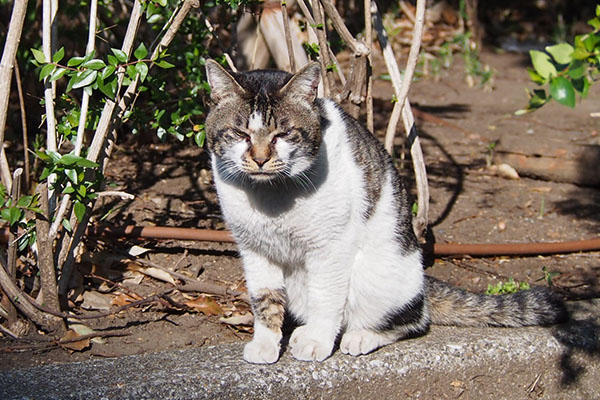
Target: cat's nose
{"x":260,"y":161}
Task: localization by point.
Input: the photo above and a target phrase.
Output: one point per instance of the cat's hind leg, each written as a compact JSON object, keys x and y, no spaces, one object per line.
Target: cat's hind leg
{"x":386,"y":301}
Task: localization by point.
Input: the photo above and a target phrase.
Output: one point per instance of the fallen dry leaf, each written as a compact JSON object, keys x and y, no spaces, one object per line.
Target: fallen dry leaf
{"x":206,"y":305}
{"x":123,"y":299}
{"x":82,"y":330}
{"x":152,"y":272}
{"x":77,"y":345}
{"x":96,"y":301}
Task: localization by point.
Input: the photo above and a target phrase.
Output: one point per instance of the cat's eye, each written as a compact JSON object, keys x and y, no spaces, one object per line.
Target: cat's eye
{"x":281,"y":135}
{"x":241,"y":135}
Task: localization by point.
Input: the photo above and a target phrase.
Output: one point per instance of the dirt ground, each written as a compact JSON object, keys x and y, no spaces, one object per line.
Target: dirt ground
{"x":469,"y":204}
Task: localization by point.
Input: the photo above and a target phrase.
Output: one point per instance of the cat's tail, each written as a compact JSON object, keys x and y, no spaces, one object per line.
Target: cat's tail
{"x":449,"y":305}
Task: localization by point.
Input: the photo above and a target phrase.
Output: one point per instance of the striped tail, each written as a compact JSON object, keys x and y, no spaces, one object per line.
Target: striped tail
{"x":449,"y":305}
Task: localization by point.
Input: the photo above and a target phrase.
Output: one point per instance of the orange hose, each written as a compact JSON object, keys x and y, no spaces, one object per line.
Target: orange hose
{"x":437,"y":249}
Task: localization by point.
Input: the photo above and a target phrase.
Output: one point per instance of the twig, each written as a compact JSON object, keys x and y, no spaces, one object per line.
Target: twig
{"x":402,"y":91}
{"x":14,"y":229}
{"x":357,"y":47}
{"x":114,"y":284}
{"x":288,"y":37}
{"x":122,"y":195}
{"x":8,"y":332}
{"x":323,"y":47}
{"x":23,"y":126}
{"x":369,"y":40}
{"x":11,"y":44}
{"x":311,"y":25}
{"x":192,"y":284}
{"x":421,"y":220}
{"x":49,"y":343}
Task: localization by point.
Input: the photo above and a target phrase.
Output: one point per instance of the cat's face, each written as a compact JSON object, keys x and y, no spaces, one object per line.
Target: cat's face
{"x":263,"y":125}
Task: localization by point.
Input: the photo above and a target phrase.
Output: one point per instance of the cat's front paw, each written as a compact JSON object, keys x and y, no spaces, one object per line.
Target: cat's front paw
{"x":261,"y":352}
{"x":309,"y":344}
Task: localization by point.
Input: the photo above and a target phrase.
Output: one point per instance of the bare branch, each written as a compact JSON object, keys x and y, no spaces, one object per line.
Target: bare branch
{"x":288,"y":37}
{"x":421,"y":220}
{"x":13,"y":36}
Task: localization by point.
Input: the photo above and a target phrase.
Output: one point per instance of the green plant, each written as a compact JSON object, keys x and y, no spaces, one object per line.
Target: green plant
{"x":511,"y":286}
{"x":567,"y":70}
{"x":549,"y":276}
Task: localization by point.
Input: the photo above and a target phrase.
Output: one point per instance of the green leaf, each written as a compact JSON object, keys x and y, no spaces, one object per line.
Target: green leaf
{"x":112,"y":60}
{"x":25,"y":201}
{"x":589,"y":41}
{"x":46,"y":71}
{"x":68,"y":159}
{"x":562,"y":91}
{"x":576,"y":69}
{"x":67,"y":225}
{"x":107,"y":87}
{"x":39,"y":56}
{"x":68,"y":189}
{"x":595,"y":23}
{"x":537,"y":78}
{"x":561,"y":52}
{"x":120,"y":54}
{"x":108,"y":71}
{"x":59,"y":55}
{"x":131,"y":71}
{"x":72,"y":175}
{"x":46,"y":172}
{"x":154,"y":18}
{"x":95,"y":64}
{"x":582,"y":85}
{"x":70,"y":84}
{"x":79,"y":209}
{"x":86,"y":78}
{"x":164,"y":64}
{"x":54,"y":155}
{"x":542,"y":64}
{"x":199,"y":138}
{"x":57,"y":74}
{"x":142,"y":69}
{"x":11,"y":215}
{"x":141,"y":52}
{"x":75,"y":61}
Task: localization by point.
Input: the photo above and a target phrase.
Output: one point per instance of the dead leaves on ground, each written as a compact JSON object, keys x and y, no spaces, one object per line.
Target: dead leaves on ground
{"x":105,"y":281}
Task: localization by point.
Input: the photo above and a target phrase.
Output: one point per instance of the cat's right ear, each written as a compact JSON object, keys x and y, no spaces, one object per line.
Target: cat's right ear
{"x":222,"y":84}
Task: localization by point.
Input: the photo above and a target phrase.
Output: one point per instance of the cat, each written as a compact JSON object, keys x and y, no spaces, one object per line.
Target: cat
{"x":323,"y":225}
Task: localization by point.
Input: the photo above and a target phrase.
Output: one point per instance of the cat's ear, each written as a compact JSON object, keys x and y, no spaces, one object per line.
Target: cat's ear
{"x":222,"y":84}
{"x":304,"y":83}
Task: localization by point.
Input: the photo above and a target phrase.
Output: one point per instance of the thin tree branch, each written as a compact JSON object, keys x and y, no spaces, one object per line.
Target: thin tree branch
{"x":288,"y":37}
{"x":369,"y":40}
{"x":421,"y":220}
{"x":11,"y":44}
{"x":323,"y":47}
{"x":402,"y":92}
{"x":23,"y":126}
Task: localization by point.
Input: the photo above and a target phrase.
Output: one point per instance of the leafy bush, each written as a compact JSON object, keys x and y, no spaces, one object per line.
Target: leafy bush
{"x":566,"y":69}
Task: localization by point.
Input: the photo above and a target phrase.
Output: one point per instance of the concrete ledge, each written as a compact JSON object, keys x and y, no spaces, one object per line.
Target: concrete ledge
{"x":549,"y":363}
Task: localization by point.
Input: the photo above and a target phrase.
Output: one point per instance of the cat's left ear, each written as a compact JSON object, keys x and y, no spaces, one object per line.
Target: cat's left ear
{"x":221,"y":83}
{"x":304,"y":83}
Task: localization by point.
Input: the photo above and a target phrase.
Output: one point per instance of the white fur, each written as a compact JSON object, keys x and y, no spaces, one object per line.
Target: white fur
{"x":338,"y":271}
{"x":255,"y":122}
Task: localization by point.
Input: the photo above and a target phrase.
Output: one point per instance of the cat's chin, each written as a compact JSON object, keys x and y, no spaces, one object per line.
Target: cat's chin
{"x":262,"y":176}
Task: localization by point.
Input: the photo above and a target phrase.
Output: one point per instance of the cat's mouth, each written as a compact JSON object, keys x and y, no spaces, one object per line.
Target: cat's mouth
{"x":262,"y":175}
